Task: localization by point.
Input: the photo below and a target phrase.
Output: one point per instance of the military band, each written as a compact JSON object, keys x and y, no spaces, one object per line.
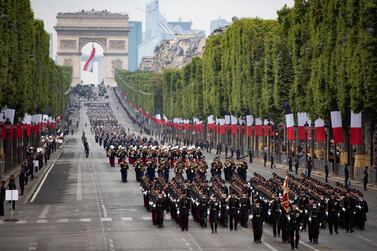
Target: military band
{"x":220,"y":193}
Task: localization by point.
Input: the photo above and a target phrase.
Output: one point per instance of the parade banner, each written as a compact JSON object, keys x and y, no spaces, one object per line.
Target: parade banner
{"x":337,"y":129}
{"x":356,"y":136}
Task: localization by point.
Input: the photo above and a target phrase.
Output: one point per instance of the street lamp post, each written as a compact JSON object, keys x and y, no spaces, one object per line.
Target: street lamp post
{"x":268,"y":139}
{"x":306,"y":126}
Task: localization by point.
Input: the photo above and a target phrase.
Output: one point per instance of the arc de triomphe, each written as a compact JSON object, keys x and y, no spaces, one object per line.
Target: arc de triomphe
{"x":110,"y":30}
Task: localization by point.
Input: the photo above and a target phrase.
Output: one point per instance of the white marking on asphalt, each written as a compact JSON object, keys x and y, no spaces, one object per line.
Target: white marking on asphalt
{"x":106,"y":219}
{"x":85,"y":220}
{"x":41,"y":221}
{"x":126,"y":218}
{"x":308,"y":246}
{"x":131,"y":209}
{"x":43,"y":180}
{"x":79,"y":185}
{"x":194,"y":241}
{"x":366,"y":239}
{"x":62,"y":220}
{"x":44,"y":212}
{"x":21,"y":222}
{"x":269,"y":246}
{"x":146,"y":218}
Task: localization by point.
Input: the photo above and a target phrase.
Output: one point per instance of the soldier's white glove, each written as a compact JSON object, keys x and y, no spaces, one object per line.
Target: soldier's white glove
{"x":250,"y":217}
{"x":310,"y":219}
{"x":177,"y":211}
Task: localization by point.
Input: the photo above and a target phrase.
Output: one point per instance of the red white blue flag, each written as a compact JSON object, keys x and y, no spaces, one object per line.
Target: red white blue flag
{"x":90,"y":62}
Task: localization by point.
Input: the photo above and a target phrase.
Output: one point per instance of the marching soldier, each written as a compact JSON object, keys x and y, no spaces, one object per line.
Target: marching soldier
{"x":314,"y":220}
{"x":111,"y":154}
{"x":333,"y":213}
{"x":214,"y":209}
{"x":302,"y":202}
{"x":234,"y":207}
{"x":257,"y":219}
{"x":203,"y":207}
{"x":184,"y":209}
{"x":294,"y":226}
{"x":361,"y":212}
{"x":245,"y":209}
{"x":349,"y":210}
{"x":124,"y":170}
{"x":160,"y":211}
{"x":275,"y":212}
{"x":224,"y":211}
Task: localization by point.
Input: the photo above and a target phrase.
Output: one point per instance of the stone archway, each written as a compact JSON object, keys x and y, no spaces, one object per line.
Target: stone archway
{"x":110,"y":30}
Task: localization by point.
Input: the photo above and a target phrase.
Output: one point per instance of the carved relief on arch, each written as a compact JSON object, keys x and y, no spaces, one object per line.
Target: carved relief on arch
{"x":68,"y":62}
{"x":116,"y":64}
{"x":85,"y":40}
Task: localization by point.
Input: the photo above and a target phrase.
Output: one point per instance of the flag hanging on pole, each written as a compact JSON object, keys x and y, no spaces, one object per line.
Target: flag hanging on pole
{"x":302,"y":118}
{"x":337,"y":129}
{"x":90,"y":62}
{"x":356,"y":136}
{"x":320,"y":135}
{"x":290,"y":126}
{"x":285,"y":197}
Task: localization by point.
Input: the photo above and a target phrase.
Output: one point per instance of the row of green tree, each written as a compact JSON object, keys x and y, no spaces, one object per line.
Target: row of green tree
{"x":318,"y":56}
{"x":30,"y":81}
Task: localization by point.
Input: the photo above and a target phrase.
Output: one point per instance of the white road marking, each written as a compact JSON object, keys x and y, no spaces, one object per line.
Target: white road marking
{"x":44,"y":212}
{"x":62,"y":220}
{"x":269,"y":246}
{"x":126,"y":218}
{"x":308,"y":246}
{"x":20,"y":222}
{"x":131,"y":209}
{"x":85,"y":220}
{"x":43,"y":180}
{"x":146,"y":218}
{"x":366,"y":239}
{"x":194,"y":241}
{"x":79,"y":184}
{"x":42,"y":221}
{"x":106,"y":219}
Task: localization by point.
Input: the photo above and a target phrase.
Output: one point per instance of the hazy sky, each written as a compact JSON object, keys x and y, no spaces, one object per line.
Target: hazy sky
{"x":200,"y":12}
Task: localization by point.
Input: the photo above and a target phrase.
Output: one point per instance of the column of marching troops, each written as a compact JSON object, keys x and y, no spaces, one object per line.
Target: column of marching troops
{"x":227,"y":202}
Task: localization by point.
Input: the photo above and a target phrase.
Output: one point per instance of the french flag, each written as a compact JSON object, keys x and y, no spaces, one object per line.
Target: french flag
{"x":337,"y":129}
{"x":249,"y":124}
{"x":258,"y":127}
{"x":319,"y":125}
{"x":290,"y":126}
{"x":233,"y":121}
{"x":90,"y":62}
{"x":222,"y":127}
{"x":356,"y":136}
{"x":302,"y":118}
